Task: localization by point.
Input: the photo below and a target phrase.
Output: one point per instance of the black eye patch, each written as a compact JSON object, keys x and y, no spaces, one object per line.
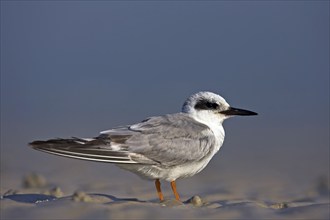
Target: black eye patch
{"x":206,"y":105}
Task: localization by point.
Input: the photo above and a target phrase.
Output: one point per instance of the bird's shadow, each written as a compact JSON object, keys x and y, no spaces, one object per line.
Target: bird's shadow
{"x":29,"y":198}
{"x":42,"y":198}
{"x":118,"y":199}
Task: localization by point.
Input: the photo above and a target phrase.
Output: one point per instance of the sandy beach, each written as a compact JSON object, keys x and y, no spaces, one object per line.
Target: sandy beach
{"x":79,"y":192}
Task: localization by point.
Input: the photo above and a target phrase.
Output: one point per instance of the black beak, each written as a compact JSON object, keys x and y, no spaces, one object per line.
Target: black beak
{"x":237,"y":111}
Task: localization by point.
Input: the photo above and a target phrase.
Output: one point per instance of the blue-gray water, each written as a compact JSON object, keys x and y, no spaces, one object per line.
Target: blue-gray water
{"x":79,"y":67}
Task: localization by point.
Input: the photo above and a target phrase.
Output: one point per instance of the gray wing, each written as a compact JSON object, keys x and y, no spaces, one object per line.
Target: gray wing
{"x":167,"y":140}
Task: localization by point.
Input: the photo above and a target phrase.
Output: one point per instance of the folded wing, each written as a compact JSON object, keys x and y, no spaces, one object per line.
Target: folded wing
{"x":164,"y":140}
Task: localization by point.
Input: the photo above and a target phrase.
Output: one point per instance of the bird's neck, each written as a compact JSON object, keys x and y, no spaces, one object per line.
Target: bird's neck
{"x":214,"y":122}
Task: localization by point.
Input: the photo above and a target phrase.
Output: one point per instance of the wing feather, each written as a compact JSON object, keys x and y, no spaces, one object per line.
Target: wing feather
{"x":164,"y":140}
{"x":93,"y":149}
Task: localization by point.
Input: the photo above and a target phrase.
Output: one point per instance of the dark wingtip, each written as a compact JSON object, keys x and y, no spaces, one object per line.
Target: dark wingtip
{"x":38,"y":144}
{"x":34,"y":144}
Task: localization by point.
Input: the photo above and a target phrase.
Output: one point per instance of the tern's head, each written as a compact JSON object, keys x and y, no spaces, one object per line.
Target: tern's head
{"x":210,"y":107}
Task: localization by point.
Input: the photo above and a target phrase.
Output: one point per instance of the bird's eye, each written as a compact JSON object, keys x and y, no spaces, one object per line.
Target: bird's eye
{"x":206,"y":105}
{"x":212,"y":105}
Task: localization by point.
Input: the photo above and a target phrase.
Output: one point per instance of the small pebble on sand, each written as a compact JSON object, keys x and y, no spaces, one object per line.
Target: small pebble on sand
{"x":80,"y":196}
{"x":195,"y":201}
{"x":56,"y":191}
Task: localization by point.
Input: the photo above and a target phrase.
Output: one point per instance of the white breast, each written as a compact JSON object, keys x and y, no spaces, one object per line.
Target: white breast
{"x":190,"y":169}
{"x":183,"y":170}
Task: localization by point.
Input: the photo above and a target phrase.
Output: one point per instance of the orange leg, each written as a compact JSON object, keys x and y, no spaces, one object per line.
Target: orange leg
{"x":173,"y":185}
{"x":159,"y":191}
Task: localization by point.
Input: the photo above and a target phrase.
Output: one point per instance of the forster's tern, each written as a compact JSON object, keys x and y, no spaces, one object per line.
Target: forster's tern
{"x":164,"y":147}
